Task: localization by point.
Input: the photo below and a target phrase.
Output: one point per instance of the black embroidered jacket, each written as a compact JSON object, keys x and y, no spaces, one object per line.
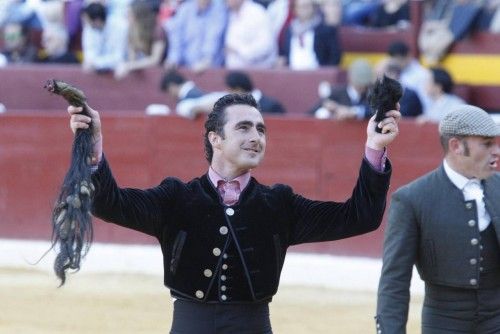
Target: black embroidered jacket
{"x":199,"y":235}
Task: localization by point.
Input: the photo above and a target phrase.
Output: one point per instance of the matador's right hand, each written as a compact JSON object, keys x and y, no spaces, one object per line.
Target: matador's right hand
{"x":79,"y":121}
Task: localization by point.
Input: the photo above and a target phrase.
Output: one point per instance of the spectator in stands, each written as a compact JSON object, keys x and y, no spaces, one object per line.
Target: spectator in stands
{"x":391,"y":13}
{"x":196,"y":35}
{"x":17,"y":46}
{"x":20,"y":11}
{"x":281,"y":14}
{"x":73,"y":23}
{"x":410,"y":105}
{"x":440,"y":90}
{"x":167,"y":11}
{"x":240,"y":83}
{"x":249,"y":41}
{"x":104,"y":39}
{"x":348,"y":101}
{"x":489,"y":18}
{"x":183,"y":91}
{"x":146,"y":40}
{"x":358,"y":12}
{"x":176,"y":85}
{"x":413,"y":74}
{"x":438,"y":35}
{"x":332,"y":12}
{"x":55,"y":46}
{"x":309,"y":43}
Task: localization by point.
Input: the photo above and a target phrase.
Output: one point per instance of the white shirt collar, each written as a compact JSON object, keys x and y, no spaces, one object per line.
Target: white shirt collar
{"x":456,"y":178}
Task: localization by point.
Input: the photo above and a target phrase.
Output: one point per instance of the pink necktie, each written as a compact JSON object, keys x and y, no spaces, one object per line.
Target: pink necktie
{"x":230,"y":191}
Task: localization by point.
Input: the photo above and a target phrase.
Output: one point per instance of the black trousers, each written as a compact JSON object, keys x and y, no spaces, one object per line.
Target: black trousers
{"x":200,"y":318}
{"x":449,"y":310}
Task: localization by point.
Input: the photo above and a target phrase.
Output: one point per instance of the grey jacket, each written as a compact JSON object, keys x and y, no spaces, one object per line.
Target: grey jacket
{"x":432,"y":226}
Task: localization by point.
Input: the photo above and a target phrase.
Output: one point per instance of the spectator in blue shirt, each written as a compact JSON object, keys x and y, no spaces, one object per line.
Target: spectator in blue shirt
{"x":196,"y":33}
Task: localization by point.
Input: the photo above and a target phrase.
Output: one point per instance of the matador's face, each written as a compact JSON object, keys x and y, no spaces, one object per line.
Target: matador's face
{"x":243,"y":143}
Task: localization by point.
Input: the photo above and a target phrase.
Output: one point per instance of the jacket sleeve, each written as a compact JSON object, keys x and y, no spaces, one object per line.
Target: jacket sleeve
{"x":400,"y":253}
{"x":326,"y":221}
{"x":141,"y":210}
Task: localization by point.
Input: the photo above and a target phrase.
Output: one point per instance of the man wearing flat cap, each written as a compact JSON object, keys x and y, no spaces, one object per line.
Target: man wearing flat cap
{"x":447,"y":223}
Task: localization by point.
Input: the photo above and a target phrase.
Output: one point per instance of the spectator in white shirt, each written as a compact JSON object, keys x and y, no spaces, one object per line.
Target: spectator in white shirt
{"x":440,"y":90}
{"x":249,"y":41}
{"x":104,"y":39}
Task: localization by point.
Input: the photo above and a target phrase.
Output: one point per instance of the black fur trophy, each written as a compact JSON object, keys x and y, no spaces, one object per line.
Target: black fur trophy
{"x":384,"y":96}
{"x":72,"y":231}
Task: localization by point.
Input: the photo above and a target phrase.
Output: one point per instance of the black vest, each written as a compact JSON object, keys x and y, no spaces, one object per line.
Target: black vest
{"x":490,"y":259}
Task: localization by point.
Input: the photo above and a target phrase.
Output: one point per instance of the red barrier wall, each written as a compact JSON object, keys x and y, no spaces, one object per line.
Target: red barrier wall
{"x":21,"y":87}
{"x":319,"y":159}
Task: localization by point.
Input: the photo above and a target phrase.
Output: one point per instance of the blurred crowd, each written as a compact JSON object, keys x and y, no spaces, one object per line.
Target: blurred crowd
{"x":121,"y":36}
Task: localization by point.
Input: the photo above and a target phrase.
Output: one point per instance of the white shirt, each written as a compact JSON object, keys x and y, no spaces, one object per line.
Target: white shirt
{"x":105,"y":48}
{"x":443,"y":105}
{"x":416,"y":77}
{"x":472,"y":190}
{"x":302,"y":55}
{"x":249,"y":34}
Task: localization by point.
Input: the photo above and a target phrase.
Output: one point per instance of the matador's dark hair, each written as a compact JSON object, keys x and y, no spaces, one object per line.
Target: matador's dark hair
{"x":217,"y":117}
{"x":72,"y":231}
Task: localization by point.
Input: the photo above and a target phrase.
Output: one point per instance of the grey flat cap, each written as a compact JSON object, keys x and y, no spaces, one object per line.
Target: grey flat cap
{"x":467,"y":120}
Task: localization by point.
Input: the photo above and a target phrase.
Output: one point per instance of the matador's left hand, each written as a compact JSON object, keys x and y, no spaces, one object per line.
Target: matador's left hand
{"x":390,"y":130}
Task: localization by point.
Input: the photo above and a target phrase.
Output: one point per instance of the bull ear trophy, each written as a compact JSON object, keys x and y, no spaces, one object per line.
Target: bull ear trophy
{"x":72,"y":231}
{"x":384,"y":96}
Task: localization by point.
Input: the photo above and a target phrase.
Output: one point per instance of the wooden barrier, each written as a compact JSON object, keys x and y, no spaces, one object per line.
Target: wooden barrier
{"x":21,"y":87}
{"x":319,"y":159}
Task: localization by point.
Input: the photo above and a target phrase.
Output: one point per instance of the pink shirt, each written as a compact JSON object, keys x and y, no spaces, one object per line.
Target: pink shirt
{"x":230,"y":190}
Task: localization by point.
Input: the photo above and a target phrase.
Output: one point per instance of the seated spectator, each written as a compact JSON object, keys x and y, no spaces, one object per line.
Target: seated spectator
{"x":309,"y":43}
{"x":437,"y":36}
{"x":440,"y":90}
{"x":196,"y":35}
{"x":489,"y":18}
{"x":391,"y":13}
{"x":348,"y":101}
{"x":332,"y":12}
{"x":17,"y":46}
{"x":249,"y":41}
{"x":55,"y":46}
{"x":146,"y":40}
{"x":410,"y":105}
{"x":176,"y":85}
{"x":413,"y":75}
{"x":23,"y":12}
{"x":167,"y":11}
{"x":281,"y":14}
{"x":50,"y":13}
{"x":104,"y":39}
{"x":239,"y":82}
{"x":73,"y":23}
{"x":358,"y":12}
{"x":184,"y":92}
